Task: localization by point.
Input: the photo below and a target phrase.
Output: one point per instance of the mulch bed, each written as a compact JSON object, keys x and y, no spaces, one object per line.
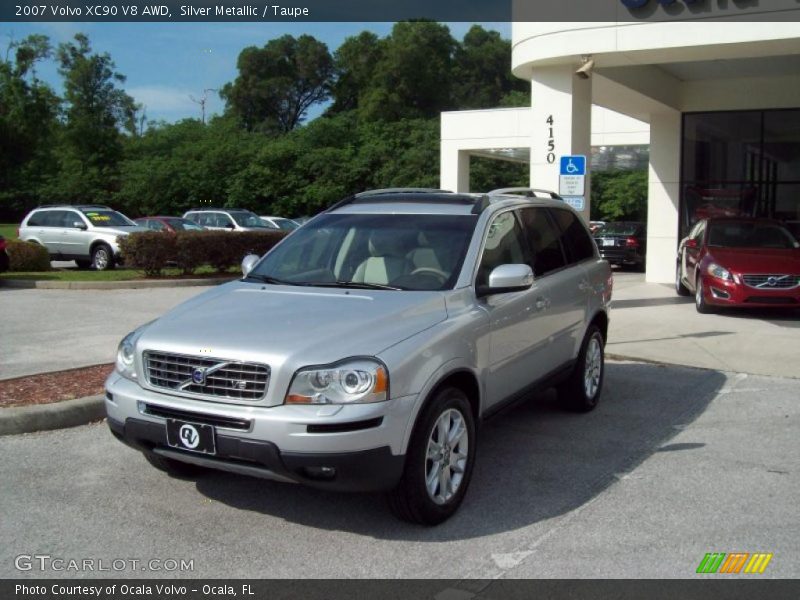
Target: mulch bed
{"x":47,"y":388}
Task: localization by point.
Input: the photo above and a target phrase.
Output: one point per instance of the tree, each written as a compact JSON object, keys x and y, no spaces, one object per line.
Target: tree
{"x":482,"y":75}
{"x":619,"y":195}
{"x":28,"y":110}
{"x":414,"y":75}
{"x":278,"y":83}
{"x":96,"y":113}
{"x":355,"y":64}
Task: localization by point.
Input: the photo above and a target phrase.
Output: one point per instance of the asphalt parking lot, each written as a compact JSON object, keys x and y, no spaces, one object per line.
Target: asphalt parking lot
{"x":676,"y":462}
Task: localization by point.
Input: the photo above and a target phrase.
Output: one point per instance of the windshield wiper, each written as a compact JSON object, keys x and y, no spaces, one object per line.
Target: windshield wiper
{"x":271,"y":280}
{"x":356,"y":285}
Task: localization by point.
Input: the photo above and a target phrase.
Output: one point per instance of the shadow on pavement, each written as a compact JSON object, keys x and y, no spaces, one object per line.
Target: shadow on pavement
{"x":646,"y":302}
{"x":534,"y":462}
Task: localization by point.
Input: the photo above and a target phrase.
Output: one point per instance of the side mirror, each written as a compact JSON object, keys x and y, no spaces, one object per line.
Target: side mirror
{"x":248,"y":262}
{"x":508,"y":278}
{"x":79,"y":225}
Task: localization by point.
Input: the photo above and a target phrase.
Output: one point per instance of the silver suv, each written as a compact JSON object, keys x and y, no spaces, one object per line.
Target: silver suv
{"x":362,"y":351}
{"x":228,"y":219}
{"x":86,"y":234}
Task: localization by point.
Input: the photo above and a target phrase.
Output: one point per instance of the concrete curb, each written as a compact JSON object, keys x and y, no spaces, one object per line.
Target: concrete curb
{"x":132,"y":284}
{"x":57,"y":415}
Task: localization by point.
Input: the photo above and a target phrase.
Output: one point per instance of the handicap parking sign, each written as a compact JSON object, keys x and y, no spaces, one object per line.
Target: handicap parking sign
{"x":573,"y":165}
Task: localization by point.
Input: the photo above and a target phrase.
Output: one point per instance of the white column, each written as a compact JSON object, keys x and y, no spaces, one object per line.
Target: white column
{"x":454,"y":168}
{"x":559,"y":95}
{"x":663,"y":195}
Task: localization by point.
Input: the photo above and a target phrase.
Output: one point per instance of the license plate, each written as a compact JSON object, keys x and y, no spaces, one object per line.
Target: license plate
{"x":194,"y":437}
{"x":608,"y":242}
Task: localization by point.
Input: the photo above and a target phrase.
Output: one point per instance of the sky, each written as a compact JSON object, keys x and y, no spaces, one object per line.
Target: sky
{"x":168,"y":63}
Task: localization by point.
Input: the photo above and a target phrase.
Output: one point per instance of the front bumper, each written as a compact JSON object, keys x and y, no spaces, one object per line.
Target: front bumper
{"x":720,"y":292}
{"x":345,"y":448}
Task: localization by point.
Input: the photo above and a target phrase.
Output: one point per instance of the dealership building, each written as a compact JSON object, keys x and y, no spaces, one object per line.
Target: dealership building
{"x":716,"y":97}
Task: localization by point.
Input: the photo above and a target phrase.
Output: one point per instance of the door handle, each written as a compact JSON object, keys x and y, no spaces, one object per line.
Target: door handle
{"x":584,"y":286}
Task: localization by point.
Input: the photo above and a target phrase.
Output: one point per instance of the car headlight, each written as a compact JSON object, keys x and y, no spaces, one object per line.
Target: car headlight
{"x":719,"y":272}
{"x":353,"y":382}
{"x":126,"y":356}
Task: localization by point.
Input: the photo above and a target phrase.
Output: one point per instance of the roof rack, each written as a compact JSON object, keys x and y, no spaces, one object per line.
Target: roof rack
{"x":375,"y":196}
{"x":216,"y":208}
{"x":62,"y":205}
{"x":523,"y":191}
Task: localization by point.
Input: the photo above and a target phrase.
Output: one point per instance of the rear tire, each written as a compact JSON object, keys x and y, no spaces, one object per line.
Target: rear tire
{"x":102,"y":257}
{"x":581,"y":392}
{"x":439,"y":461}
{"x":680,"y":289}
{"x":173,"y":467}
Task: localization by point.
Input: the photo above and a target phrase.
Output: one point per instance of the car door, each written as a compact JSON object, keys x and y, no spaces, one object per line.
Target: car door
{"x":52,"y":230}
{"x":562,"y":280}
{"x":74,"y":240}
{"x":515,"y":340}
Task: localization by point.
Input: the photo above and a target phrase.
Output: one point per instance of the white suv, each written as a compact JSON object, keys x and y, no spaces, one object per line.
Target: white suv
{"x":227,"y":219}
{"x":86,"y":234}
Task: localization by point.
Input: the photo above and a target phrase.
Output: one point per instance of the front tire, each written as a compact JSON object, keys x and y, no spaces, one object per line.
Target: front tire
{"x":102,"y":257}
{"x":700,"y":303}
{"x":439,"y":462}
{"x":581,"y":392}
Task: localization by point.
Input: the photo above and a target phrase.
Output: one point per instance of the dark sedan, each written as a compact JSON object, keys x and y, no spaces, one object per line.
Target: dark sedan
{"x":169,"y":224}
{"x":623,"y":243}
{"x":742,"y":262}
{"x":3,"y":255}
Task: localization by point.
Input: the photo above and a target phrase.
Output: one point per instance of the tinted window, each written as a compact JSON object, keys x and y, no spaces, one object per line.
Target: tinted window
{"x":54,"y":218}
{"x":505,"y":244}
{"x":183,"y":225}
{"x":543,"y":237}
{"x":576,"y":240}
{"x":107,"y":218}
{"x":246,"y":219}
{"x":744,"y":234}
{"x":36,"y":219}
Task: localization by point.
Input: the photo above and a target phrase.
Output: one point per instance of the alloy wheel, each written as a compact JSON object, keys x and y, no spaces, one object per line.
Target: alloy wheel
{"x":446,"y":456}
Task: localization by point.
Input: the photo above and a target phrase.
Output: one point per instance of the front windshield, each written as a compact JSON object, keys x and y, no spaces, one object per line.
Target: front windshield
{"x":749,"y":234}
{"x":247,"y":219}
{"x":407,"y":252}
{"x":108,"y":218}
{"x":184,"y":225}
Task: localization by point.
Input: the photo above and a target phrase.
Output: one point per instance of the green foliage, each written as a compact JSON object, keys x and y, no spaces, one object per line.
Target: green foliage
{"x":487,"y":174}
{"x":279,"y":82}
{"x":27,"y":256}
{"x":151,"y":251}
{"x":619,"y":195}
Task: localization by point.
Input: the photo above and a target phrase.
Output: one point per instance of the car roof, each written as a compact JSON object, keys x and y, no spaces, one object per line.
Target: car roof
{"x":424,"y":201}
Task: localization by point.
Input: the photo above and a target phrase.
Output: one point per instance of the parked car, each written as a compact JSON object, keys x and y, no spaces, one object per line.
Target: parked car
{"x":743,"y":262}
{"x":227,"y":219}
{"x":623,"y":243}
{"x":363,"y":350}
{"x":3,"y":255}
{"x":281,"y":223}
{"x":86,"y":234}
{"x":168,"y":224}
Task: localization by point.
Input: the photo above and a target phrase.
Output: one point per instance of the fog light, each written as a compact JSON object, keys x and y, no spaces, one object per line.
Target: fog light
{"x":320,"y":472}
{"x":721,"y":294}
{"x":109,"y":396}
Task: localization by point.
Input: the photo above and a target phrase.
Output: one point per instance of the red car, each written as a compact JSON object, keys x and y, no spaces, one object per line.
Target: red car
{"x":169,"y":224}
{"x":741,"y":262}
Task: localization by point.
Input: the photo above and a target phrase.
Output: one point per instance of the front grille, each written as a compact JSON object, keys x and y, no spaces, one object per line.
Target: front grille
{"x":206,"y":376}
{"x":772,"y":282}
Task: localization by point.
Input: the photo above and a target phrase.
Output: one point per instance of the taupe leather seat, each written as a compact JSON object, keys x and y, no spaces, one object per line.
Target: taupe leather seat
{"x":387,"y":260}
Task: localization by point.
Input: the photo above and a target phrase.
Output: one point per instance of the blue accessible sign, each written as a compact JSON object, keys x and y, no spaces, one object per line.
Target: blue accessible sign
{"x":572,"y":176}
{"x":573,"y":165}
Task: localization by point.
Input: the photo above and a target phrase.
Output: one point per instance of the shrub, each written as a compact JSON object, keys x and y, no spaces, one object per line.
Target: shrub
{"x":27,"y":256}
{"x":149,"y":251}
{"x":188,"y":250}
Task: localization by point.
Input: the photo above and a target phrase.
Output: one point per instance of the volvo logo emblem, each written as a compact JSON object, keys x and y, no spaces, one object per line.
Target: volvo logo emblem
{"x":189,"y":436}
{"x":199,"y":376}
{"x":772,"y":281}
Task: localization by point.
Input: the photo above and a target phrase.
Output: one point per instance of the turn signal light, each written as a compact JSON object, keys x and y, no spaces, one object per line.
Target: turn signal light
{"x":632,"y":242}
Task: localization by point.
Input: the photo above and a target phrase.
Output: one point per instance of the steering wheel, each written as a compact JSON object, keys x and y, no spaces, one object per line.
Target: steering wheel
{"x":438,"y":273}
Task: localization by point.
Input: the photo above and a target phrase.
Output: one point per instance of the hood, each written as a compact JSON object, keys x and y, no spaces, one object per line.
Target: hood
{"x":295,"y":325}
{"x":758,"y":260}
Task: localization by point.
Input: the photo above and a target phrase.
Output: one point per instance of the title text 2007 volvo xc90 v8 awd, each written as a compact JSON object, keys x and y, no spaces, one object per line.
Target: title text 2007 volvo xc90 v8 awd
{"x":361,"y":352}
